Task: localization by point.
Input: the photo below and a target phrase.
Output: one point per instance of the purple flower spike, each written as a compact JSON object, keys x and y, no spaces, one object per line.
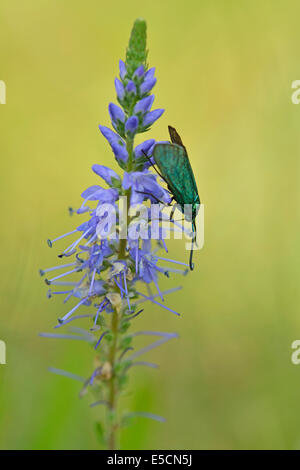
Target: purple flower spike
{"x":151,"y":117}
{"x":131,"y":88}
{"x":144,"y":105}
{"x":132,"y":124}
{"x":139,"y":71}
{"x":105,"y":173}
{"x":119,"y":89}
{"x":122,"y":69}
{"x":116,"y":113}
{"x":147,"y":85}
{"x":108,"y":258}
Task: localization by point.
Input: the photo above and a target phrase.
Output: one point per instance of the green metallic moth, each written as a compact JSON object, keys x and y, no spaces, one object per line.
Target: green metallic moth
{"x":175,"y":169}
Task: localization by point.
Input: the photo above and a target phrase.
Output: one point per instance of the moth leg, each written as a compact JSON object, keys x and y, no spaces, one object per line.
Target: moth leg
{"x":173,"y":208}
{"x":172,"y":212}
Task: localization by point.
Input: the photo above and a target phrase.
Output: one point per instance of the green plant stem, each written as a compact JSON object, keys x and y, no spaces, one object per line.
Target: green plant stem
{"x":115,"y":327}
{"x":112,"y":385}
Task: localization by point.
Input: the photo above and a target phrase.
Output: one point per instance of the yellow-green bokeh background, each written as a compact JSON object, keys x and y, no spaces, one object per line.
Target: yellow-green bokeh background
{"x":224,"y":72}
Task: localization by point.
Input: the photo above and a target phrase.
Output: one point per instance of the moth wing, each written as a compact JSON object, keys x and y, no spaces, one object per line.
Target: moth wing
{"x":173,"y":162}
{"x":164,"y":158}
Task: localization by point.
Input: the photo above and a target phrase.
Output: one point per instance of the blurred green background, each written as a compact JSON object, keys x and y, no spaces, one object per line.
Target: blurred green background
{"x":224,"y":72}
